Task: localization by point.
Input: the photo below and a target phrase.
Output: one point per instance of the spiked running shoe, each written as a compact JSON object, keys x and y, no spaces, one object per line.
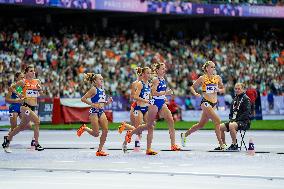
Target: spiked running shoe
{"x":183,"y":139}
{"x":128,"y":137}
{"x":7,"y":150}
{"x":151,"y":152}
{"x":39,"y":147}
{"x":6,"y":144}
{"x":121,"y":127}
{"x":175,"y":148}
{"x":81,"y":130}
{"x":124,"y":147}
{"x":101,"y":153}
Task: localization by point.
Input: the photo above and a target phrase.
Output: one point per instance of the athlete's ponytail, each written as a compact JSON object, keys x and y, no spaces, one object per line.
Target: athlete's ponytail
{"x":138,"y":71}
{"x":157,"y":62}
{"x":17,"y":74}
{"x":90,"y":77}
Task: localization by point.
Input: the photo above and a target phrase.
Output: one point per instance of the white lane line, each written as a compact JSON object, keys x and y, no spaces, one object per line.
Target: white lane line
{"x":155,"y":163}
{"x":151,"y":172}
{"x":120,"y":162}
{"x":146,"y":167}
{"x":184,"y":165}
{"x":129,"y":168}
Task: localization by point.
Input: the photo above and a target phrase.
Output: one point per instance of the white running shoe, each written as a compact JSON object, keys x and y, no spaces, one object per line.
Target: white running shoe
{"x":183,"y":139}
{"x":124,"y":147}
{"x":8,"y":150}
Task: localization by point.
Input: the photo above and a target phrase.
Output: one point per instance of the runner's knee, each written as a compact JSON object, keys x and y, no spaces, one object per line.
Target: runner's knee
{"x":37,"y":122}
{"x":217,"y":121}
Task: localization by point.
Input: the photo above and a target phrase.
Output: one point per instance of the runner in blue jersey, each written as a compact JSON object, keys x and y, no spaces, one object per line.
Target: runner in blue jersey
{"x":141,"y":96}
{"x":97,"y":115}
{"x":157,"y":105}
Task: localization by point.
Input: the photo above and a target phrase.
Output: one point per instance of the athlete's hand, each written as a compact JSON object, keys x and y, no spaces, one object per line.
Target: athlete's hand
{"x":197,"y":95}
{"x":20,"y":100}
{"x":169,"y":92}
{"x":21,"y":96}
{"x":38,"y":87}
{"x":109,"y":100}
{"x":220,"y":90}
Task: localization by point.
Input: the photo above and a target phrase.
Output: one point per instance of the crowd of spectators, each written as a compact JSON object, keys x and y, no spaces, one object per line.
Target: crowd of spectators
{"x":248,"y":2}
{"x":62,"y":59}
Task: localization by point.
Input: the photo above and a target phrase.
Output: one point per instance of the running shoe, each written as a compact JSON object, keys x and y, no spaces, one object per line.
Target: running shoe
{"x":151,"y":152}
{"x":221,"y":148}
{"x":6,"y":145}
{"x":175,"y":148}
{"x":7,"y":150}
{"x":101,"y":153}
{"x":81,"y":130}
{"x":124,"y":147}
{"x":233,"y":147}
{"x":183,"y":139}
{"x":121,"y":127}
{"x":39,"y":147}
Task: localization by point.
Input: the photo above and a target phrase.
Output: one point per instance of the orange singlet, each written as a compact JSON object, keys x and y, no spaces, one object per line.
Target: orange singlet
{"x":30,"y":89}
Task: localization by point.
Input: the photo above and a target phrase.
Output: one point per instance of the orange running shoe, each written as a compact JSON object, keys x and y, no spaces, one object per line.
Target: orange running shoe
{"x":121,"y":127}
{"x":81,"y":130}
{"x":175,"y":148}
{"x":128,"y":137}
{"x":151,"y":152}
{"x":101,"y":153}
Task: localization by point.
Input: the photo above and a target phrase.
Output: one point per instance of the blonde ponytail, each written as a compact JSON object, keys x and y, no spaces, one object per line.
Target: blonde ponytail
{"x":90,"y":77}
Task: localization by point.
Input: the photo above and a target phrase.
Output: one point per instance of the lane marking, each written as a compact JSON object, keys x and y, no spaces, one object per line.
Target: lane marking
{"x":148,"y":172}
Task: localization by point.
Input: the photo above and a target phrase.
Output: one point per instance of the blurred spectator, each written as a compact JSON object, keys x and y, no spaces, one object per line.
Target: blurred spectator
{"x":251,"y":2}
{"x":62,"y":58}
{"x":270,"y":99}
{"x":258,"y":111}
{"x":188,"y":103}
{"x":228,"y":100}
{"x":252,"y":94}
{"x":174,"y":108}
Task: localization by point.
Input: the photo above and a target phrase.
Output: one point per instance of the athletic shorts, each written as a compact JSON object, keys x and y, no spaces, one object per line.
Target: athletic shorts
{"x":15,"y":108}
{"x":242,"y":125}
{"x":141,"y":109}
{"x":158,"y":102}
{"x":97,"y":111}
{"x":207,"y":103}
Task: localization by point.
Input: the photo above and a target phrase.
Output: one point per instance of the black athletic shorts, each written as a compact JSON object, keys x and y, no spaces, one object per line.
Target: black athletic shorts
{"x":242,"y":125}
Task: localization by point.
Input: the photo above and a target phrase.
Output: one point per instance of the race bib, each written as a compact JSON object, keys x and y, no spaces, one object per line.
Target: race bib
{"x":146,"y":95}
{"x":102,"y":98}
{"x":30,"y":93}
{"x":211,"y":88}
